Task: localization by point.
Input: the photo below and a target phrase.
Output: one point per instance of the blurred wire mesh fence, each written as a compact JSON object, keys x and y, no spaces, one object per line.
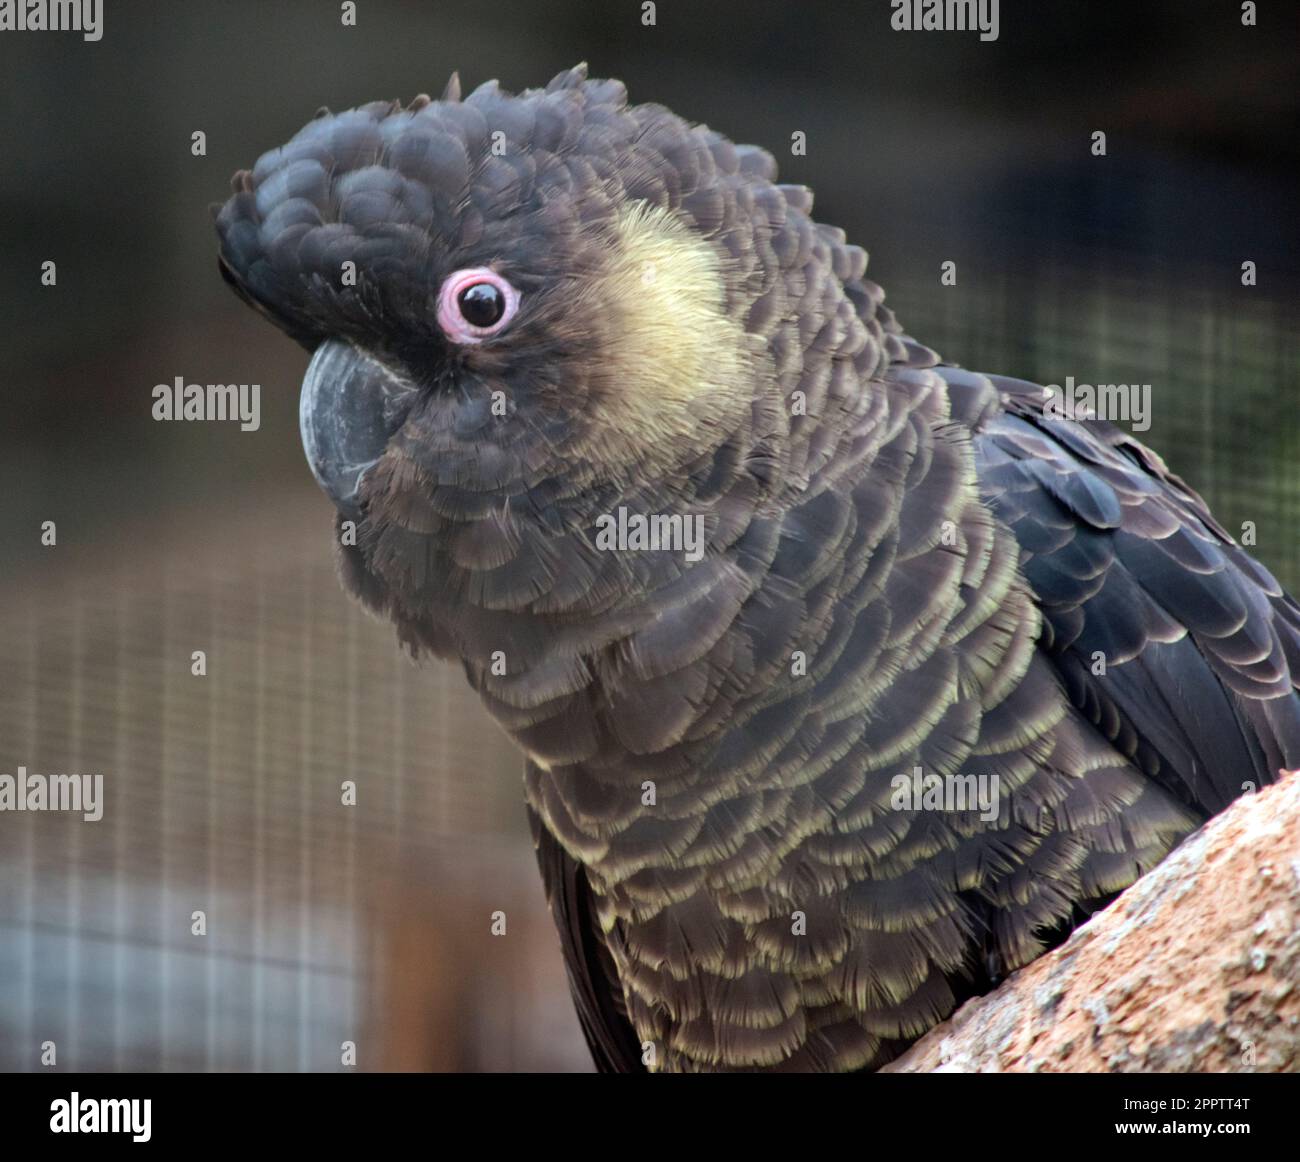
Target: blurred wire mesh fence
{"x":224,"y":794}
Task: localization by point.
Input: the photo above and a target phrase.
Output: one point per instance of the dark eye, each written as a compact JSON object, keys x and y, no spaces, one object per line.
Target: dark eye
{"x":481,"y":304}
{"x":475,"y":304}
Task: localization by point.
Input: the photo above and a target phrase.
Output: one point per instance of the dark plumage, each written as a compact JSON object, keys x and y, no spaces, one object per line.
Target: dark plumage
{"x":906,"y":565}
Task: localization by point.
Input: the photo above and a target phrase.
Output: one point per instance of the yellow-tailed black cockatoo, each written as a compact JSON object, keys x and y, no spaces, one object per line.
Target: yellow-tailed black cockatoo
{"x":736,"y":562}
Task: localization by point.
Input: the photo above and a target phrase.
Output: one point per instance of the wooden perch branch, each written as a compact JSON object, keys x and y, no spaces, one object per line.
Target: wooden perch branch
{"x":1196,"y":968}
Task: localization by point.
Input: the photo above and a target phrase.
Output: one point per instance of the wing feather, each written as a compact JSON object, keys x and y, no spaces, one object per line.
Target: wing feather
{"x":1127,"y":563}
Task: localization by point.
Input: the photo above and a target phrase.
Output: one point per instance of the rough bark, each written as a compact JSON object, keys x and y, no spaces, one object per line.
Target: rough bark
{"x":1196,"y":968}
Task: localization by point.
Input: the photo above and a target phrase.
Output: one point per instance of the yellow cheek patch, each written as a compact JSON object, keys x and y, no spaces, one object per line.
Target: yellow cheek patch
{"x":673,"y":360}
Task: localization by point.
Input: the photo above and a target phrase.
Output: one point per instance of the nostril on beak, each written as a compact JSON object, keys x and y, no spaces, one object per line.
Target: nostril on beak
{"x":345,"y":417}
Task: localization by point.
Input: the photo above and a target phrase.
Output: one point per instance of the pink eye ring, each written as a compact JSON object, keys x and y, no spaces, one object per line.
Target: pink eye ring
{"x":475,"y":304}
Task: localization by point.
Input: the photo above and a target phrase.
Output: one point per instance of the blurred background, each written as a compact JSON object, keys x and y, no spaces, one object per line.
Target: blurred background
{"x":372,"y":923}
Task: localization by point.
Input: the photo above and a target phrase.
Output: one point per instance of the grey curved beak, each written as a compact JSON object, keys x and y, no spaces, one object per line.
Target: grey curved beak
{"x":350,"y":405}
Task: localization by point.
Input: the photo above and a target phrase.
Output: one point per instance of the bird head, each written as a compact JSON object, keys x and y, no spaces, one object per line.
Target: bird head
{"x":523,"y":309}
